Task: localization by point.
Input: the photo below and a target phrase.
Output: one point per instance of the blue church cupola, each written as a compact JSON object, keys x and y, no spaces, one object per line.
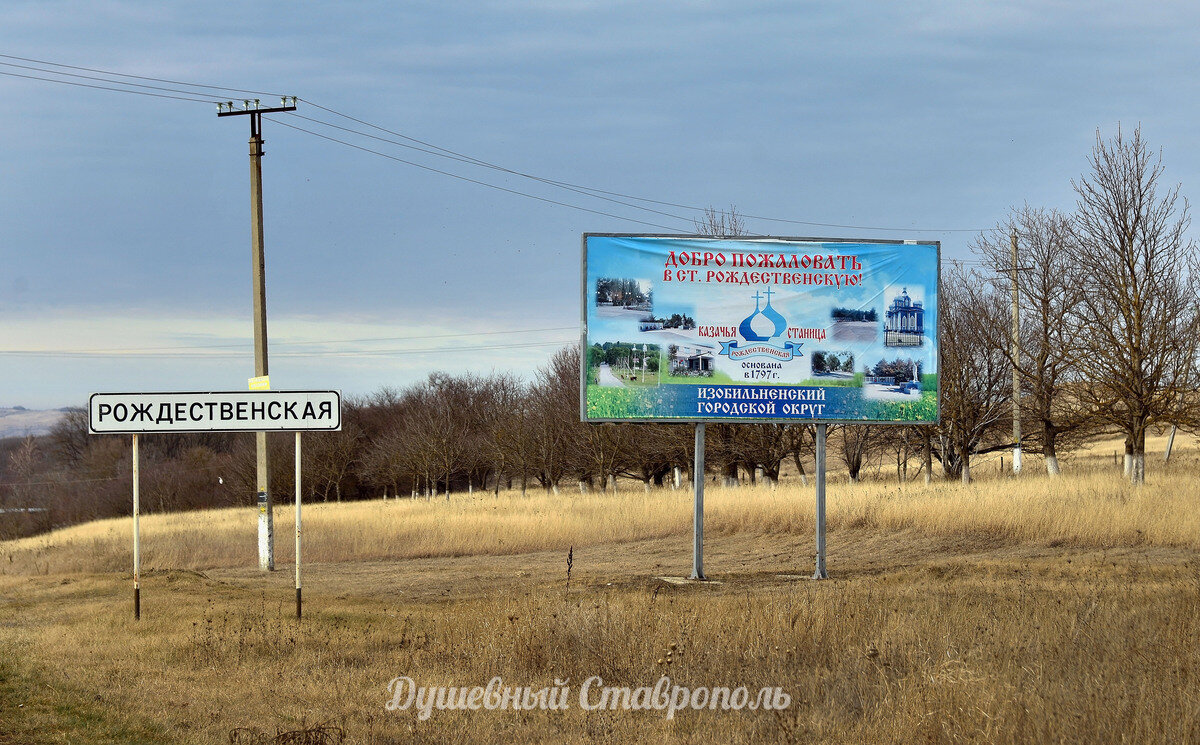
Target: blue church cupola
{"x":764,"y":323}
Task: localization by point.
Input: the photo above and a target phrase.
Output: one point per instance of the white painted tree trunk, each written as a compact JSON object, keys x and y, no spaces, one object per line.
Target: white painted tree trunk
{"x":1052,"y":465}
{"x":677,"y":477}
{"x":1137,"y":473}
{"x":966,"y":469}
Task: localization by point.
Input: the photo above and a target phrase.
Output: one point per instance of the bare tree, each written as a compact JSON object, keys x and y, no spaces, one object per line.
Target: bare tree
{"x":1139,"y":310}
{"x":854,"y":443}
{"x":764,"y":446}
{"x":502,"y":415}
{"x":1049,"y":292}
{"x":721,"y":223}
{"x":69,"y":437}
{"x":329,"y":457}
{"x":975,"y":383}
{"x":554,"y":407}
{"x":23,"y":465}
{"x":796,"y":436}
{"x":725,"y":224}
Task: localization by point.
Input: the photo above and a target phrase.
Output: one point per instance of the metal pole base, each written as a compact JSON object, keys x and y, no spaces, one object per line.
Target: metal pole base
{"x":298,"y":602}
{"x":137,"y":603}
{"x":820,"y":573}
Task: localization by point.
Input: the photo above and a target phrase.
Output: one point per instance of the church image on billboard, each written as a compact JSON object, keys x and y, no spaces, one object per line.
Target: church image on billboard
{"x":904,"y":322}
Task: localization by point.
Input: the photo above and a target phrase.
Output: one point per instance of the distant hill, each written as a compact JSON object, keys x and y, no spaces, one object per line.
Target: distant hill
{"x":19,"y":421}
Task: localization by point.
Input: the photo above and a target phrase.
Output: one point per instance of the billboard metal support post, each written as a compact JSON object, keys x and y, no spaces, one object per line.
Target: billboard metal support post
{"x":698,"y":511}
{"x":298,"y":601}
{"x":137,"y":540}
{"x":711,"y":376}
{"x":821,"y":572}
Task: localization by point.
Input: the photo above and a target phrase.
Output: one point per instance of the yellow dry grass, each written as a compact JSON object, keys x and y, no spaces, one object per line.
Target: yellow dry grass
{"x":1090,"y":505}
{"x":1007,"y":611}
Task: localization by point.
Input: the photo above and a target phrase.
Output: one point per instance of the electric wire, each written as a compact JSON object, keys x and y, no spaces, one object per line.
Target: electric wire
{"x":427,"y":148}
{"x":467,"y":178}
{"x":278,"y":343}
{"x":107,"y":80}
{"x":594,"y":191}
{"x":125,"y":476}
{"x":137,"y":77}
{"x":473,"y":161}
{"x":111,"y":354}
{"x":301,"y":129}
{"x":107,"y":88}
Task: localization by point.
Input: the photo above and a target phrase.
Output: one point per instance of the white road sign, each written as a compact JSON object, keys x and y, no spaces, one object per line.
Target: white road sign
{"x":222,"y":411}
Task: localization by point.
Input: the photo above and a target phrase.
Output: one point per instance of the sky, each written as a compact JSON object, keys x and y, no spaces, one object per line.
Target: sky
{"x":124,"y":219}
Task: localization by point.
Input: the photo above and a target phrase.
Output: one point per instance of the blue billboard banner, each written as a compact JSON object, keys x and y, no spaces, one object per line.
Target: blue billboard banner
{"x":689,"y":328}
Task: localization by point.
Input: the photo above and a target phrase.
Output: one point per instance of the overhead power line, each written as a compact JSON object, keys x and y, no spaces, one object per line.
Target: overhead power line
{"x":472,"y":161}
{"x":139,"y":77}
{"x":108,"y":80}
{"x":204,"y":92}
{"x":284,"y":343}
{"x":117,"y":353}
{"x":125,"y":476}
{"x":106,"y":88}
{"x":592,"y":191}
{"x":468,"y":179}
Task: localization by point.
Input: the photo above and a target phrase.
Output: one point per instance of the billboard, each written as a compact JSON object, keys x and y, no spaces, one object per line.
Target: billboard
{"x":690,"y":328}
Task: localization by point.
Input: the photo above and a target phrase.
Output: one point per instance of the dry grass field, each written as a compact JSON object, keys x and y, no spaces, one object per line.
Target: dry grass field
{"x":1006,"y":611}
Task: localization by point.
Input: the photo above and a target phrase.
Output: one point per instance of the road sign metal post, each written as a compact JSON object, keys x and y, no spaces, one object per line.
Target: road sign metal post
{"x":214,"y":411}
{"x":298,"y":601}
{"x":698,"y":507}
{"x":137,"y":539}
{"x":821,"y":572}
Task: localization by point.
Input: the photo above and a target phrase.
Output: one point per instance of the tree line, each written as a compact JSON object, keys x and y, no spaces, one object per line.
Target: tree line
{"x":1107,"y":340}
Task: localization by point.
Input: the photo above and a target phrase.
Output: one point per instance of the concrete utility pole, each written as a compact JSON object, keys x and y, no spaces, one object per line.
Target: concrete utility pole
{"x":1016,"y":354}
{"x":266,"y":533}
